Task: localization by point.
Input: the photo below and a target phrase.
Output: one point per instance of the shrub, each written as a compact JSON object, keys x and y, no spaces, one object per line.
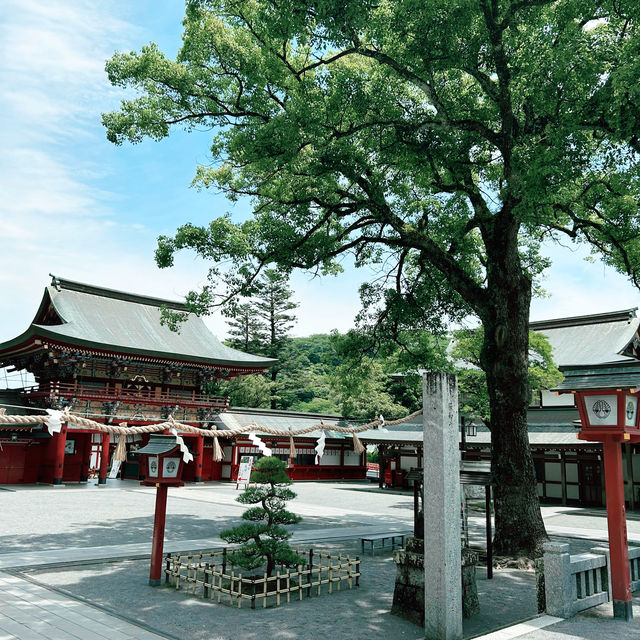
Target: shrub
{"x":263,"y":537}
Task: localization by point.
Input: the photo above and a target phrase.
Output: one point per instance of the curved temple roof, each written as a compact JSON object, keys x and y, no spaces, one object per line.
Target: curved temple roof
{"x":99,"y":318}
{"x":601,"y":339}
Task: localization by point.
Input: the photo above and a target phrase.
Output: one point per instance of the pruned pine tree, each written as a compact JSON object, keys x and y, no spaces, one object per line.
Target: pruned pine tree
{"x":262,"y":537}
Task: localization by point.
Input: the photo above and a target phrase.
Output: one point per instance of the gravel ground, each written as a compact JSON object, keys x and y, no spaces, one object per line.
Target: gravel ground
{"x":362,"y":612}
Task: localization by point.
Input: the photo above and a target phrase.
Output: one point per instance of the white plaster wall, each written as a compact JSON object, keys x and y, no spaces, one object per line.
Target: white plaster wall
{"x":554,"y":490}
{"x":550,"y":399}
{"x":351,"y":459}
{"x":552,"y":471}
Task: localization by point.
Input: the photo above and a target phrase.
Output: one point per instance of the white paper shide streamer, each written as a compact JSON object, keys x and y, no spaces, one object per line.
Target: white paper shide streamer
{"x":54,"y":421}
{"x":262,"y":447}
{"x":320,"y":446}
{"x":187,"y":456}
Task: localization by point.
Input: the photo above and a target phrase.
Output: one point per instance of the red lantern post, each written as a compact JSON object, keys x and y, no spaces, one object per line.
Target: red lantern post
{"x":164,"y":469}
{"x":610,"y":416}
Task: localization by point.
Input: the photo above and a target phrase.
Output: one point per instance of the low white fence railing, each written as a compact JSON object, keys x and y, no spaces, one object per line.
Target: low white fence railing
{"x":575,"y":583}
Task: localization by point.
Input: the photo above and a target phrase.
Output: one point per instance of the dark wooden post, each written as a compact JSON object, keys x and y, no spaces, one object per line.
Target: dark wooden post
{"x":155,"y":572}
{"x":563,"y":476}
{"x":487,"y":507}
{"x":629,"y":456}
{"x":416,"y":506}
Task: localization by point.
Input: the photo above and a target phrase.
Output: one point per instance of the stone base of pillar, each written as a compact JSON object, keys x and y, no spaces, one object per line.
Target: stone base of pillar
{"x":408,"y":594}
{"x":622,"y":609}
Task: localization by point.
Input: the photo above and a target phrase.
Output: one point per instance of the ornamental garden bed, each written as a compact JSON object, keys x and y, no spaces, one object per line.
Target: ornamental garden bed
{"x":210,"y":575}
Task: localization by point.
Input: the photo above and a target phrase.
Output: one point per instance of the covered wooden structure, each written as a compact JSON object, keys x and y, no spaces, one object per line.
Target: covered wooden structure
{"x":108,"y":356}
{"x":338,"y":462}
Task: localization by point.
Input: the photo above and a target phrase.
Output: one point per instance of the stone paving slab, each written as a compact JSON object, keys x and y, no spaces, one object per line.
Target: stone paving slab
{"x":521,"y":629}
{"x":596,"y":623}
{"x":31,"y":612}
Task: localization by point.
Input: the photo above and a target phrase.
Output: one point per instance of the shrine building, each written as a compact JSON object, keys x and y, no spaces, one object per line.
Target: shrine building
{"x":569,"y":471}
{"x":108,"y":356}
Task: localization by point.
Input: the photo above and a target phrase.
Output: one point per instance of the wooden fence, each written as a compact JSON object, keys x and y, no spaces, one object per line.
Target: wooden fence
{"x":210,"y":574}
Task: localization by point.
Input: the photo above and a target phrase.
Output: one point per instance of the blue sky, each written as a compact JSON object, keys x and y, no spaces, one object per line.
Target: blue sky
{"x":74,"y":205}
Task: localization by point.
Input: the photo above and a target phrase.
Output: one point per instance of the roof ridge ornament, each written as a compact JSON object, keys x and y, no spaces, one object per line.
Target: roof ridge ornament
{"x":55,"y":282}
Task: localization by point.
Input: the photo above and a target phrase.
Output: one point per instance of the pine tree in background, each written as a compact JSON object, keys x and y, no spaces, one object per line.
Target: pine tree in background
{"x":263,"y":538}
{"x":274,"y":306}
{"x":246,"y":331}
{"x":262,"y":325}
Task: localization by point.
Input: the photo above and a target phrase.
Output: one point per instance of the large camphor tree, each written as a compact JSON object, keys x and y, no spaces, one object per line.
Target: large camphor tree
{"x":443,"y":141}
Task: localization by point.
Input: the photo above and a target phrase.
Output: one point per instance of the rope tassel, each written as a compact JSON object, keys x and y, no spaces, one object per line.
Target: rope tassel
{"x":292,"y":447}
{"x":121,"y":449}
{"x":217,"y":450}
{"x":358,"y":447}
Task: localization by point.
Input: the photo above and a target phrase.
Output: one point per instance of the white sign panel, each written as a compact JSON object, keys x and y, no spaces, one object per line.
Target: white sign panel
{"x":602,"y":410}
{"x":170,"y":467}
{"x":115,"y":467}
{"x":244,"y":470}
{"x":630,"y":411}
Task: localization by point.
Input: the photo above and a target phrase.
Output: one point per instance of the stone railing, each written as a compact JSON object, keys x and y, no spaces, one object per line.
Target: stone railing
{"x":575,"y":583}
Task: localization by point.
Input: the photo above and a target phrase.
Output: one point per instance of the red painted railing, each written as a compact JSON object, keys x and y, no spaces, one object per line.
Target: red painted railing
{"x":56,"y":390}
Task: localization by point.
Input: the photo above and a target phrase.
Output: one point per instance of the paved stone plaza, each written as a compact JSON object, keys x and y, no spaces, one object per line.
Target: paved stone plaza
{"x":73,"y":565}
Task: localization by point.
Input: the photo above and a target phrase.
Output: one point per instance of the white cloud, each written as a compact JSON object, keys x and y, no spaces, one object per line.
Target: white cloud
{"x":52,"y":89}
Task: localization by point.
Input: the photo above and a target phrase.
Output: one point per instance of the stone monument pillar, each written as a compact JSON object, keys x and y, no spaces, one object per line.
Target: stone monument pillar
{"x":442,"y":552}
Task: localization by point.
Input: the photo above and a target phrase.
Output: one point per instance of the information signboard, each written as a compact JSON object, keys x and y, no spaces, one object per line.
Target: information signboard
{"x":244,"y":470}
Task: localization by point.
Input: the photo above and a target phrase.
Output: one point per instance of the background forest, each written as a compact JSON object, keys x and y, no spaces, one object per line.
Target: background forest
{"x":357,"y":375}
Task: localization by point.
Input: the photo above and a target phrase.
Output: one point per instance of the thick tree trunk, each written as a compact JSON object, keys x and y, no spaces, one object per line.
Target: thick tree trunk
{"x":519,"y":526}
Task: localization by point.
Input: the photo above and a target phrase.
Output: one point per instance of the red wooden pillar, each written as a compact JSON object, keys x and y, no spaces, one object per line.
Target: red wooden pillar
{"x":617,"y":523}
{"x":60,"y":444}
{"x":198,"y":455}
{"x":104,"y":459}
{"x":155,"y":573}
{"x":84,"y":441}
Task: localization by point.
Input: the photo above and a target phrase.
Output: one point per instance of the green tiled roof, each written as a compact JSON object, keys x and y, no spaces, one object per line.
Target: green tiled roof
{"x":621,"y":377}
{"x":235,"y":418}
{"x":604,"y":338}
{"x":99,"y":318}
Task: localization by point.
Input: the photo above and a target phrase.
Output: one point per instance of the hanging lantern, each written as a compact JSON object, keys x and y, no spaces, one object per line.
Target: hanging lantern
{"x":608,"y":412}
{"x":164,"y":461}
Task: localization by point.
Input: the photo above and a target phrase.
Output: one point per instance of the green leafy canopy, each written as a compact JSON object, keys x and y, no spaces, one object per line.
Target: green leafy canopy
{"x":395,"y":127}
{"x":439,"y":142}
